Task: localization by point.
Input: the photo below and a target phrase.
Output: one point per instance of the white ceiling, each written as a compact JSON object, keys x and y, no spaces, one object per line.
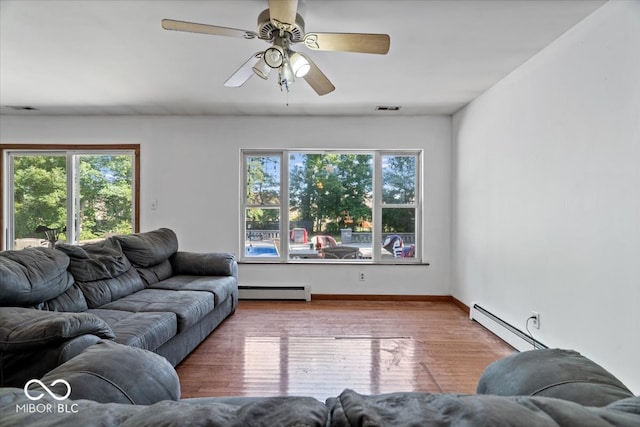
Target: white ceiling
{"x":113,"y":57}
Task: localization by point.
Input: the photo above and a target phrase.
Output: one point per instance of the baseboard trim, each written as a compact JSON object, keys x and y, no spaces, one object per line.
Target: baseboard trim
{"x":462,"y":306}
{"x":384,"y":297}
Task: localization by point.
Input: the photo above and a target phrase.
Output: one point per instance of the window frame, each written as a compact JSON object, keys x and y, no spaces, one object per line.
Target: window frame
{"x":377,"y":206}
{"x":67,"y":150}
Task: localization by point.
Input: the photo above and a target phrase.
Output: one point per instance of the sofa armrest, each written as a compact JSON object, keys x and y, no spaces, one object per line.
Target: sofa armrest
{"x":28,"y":329}
{"x":558,"y":373}
{"x":111,"y":372}
{"x":19,"y":367}
{"x":33,"y":342}
{"x":204,"y":264}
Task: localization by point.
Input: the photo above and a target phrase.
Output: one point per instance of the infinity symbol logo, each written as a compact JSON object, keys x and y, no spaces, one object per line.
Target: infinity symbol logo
{"x":52,"y":394}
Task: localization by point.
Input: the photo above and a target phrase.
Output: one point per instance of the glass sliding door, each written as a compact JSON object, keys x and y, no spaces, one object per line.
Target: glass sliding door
{"x":69,"y":196}
{"x":103,"y":195}
{"x":39,"y":184}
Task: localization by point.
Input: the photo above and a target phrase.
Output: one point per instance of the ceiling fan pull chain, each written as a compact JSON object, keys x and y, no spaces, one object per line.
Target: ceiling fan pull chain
{"x":282,"y":79}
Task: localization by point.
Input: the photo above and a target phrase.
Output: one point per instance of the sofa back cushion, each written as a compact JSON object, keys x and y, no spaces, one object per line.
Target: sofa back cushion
{"x":72,"y":300}
{"x":150,"y":248}
{"x":102,"y":271}
{"x":31,"y":276}
{"x":150,"y":252}
{"x":94,"y":261}
{"x":156,"y":273}
{"x":101,"y":292}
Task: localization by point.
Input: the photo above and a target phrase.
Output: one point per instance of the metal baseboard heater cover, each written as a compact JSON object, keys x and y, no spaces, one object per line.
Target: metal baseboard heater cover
{"x":299,"y":293}
{"x":513,"y":336}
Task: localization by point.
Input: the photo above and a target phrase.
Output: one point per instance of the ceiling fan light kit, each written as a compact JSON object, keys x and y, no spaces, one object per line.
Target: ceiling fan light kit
{"x":285,"y":76}
{"x":274,"y":56}
{"x":261,"y":68}
{"x":299,"y":64}
{"x":282,"y":26}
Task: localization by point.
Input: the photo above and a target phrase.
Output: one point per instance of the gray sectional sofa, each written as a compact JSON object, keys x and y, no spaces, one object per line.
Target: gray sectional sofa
{"x":110,"y":384}
{"x":137,"y":290}
{"x":90,"y":335}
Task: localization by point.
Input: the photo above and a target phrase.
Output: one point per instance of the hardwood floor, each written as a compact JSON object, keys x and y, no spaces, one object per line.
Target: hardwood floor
{"x":319,"y":348}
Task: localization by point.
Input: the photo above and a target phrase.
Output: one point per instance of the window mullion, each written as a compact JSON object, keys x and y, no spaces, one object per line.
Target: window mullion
{"x":243,"y":203}
{"x":284,"y":206}
{"x":10,"y":210}
{"x":72,"y":199}
{"x":418,"y":206}
{"x":376,"y":238}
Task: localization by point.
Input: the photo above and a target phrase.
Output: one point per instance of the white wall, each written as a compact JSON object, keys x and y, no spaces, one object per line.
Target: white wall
{"x":191,"y":166}
{"x":546,"y":193}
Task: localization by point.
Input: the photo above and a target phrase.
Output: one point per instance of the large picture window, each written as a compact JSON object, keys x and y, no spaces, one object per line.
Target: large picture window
{"x":73,"y":194}
{"x":337,"y":206}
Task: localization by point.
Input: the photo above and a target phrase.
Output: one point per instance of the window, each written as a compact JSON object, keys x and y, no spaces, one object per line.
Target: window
{"x":337,"y":206}
{"x":68,"y":193}
{"x":262,"y":201}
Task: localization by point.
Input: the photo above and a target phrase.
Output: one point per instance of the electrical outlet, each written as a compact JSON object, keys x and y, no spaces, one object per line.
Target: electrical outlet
{"x":535,"y":319}
{"x":361,"y":276}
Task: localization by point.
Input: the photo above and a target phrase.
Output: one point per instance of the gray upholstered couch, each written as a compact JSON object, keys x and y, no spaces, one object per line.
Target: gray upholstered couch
{"x":137,"y":290}
{"x":109,"y":384}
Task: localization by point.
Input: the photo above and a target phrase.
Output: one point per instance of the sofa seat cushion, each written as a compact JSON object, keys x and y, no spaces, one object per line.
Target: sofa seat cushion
{"x":562,"y":374}
{"x":220,"y":286}
{"x":148,"y":330}
{"x":189,"y":306}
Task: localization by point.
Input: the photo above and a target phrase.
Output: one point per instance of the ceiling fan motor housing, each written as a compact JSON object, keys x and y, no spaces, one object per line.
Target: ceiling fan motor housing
{"x":267,"y":30}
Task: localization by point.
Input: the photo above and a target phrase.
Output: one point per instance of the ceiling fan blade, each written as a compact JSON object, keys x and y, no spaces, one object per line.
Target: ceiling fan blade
{"x":192,"y":27}
{"x":243,"y":73}
{"x":317,"y":80}
{"x":283,"y":12}
{"x":348,"y":42}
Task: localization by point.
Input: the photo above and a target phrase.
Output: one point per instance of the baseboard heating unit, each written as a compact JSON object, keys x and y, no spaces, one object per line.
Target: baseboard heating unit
{"x":513,"y":336}
{"x":301,"y":293}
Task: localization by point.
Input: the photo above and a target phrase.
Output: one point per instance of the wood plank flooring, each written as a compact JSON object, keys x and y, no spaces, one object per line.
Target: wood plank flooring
{"x":319,"y":348}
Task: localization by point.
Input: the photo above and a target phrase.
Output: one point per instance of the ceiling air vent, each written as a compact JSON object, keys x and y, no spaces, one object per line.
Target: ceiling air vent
{"x":387,"y":108}
{"x":22,"y":108}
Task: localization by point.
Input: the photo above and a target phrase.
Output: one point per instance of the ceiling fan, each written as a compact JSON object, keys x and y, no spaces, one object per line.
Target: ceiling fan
{"x":281,"y":26}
